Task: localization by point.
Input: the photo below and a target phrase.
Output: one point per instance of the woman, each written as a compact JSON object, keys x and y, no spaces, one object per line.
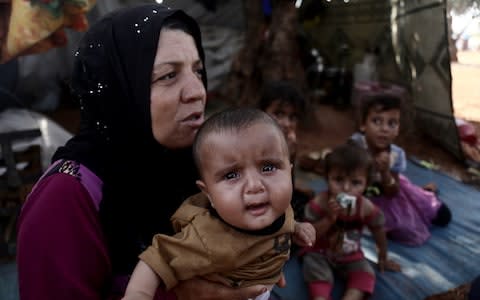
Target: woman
{"x":141,"y":84}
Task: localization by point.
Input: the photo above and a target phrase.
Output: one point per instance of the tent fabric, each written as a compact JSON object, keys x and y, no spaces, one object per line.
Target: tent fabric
{"x":420,"y":41}
{"x":36,"y":27}
{"x":410,"y":42}
{"x":448,"y":259}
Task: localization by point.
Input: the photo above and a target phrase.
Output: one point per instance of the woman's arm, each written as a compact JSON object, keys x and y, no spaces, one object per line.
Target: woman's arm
{"x":144,"y":283}
{"x":201,"y":289}
{"x":61,"y":253}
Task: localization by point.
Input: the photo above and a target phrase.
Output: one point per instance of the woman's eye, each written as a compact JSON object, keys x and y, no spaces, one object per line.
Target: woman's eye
{"x":269,"y":168}
{"x":231,"y":175}
{"x":199,"y":72}
{"x":167,"y":76}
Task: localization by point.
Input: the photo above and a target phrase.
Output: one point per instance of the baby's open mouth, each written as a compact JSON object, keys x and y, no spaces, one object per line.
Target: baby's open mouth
{"x":257,"y":209}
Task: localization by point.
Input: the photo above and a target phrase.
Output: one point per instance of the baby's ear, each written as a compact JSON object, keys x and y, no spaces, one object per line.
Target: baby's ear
{"x":201,"y":185}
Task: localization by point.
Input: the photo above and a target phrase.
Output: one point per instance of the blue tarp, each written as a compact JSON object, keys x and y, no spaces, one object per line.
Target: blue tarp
{"x":449,"y":258}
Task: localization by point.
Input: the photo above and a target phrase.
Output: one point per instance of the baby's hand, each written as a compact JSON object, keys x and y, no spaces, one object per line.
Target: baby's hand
{"x":304,"y":234}
{"x":334,"y":209}
{"x":388,"y":265}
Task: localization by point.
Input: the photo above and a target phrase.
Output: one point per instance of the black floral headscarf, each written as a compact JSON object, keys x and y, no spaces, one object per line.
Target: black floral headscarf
{"x":144,"y":182}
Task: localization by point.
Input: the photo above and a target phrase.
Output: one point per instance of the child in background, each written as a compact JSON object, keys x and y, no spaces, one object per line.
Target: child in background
{"x":237,"y":231}
{"x":284,"y":103}
{"x":409,"y":209}
{"x":339,"y":215}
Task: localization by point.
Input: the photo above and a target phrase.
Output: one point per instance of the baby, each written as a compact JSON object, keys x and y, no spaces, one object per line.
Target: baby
{"x":237,"y":231}
{"x":340,"y":215}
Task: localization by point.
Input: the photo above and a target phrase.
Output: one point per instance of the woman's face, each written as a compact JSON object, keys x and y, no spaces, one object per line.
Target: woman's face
{"x":177,"y":95}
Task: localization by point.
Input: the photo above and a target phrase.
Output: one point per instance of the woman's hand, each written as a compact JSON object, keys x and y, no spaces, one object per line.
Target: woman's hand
{"x":202,"y":289}
{"x":304,"y":234}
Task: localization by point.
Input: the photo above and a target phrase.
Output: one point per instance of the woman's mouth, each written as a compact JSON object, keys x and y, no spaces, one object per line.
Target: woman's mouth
{"x":194,"y":120}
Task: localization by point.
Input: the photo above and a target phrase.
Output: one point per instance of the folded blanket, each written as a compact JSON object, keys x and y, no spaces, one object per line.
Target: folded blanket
{"x":36,"y":26}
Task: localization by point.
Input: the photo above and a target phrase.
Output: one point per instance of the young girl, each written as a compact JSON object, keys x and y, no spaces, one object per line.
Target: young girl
{"x":339,"y":216}
{"x":409,"y":209}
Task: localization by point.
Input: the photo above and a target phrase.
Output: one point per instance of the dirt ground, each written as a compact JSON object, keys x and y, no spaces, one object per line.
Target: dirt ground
{"x":329,"y":126}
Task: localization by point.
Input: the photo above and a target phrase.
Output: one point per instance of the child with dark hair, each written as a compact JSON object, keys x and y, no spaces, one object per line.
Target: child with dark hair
{"x":339,"y":216}
{"x":284,"y":103}
{"x":409,"y":209}
{"x":237,"y":231}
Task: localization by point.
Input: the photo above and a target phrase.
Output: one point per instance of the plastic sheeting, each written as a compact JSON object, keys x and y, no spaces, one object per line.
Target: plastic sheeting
{"x":53,"y":135}
{"x":420,"y":41}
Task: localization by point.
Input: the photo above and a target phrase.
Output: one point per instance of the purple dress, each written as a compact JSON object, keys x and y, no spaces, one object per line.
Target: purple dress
{"x":409,"y":213}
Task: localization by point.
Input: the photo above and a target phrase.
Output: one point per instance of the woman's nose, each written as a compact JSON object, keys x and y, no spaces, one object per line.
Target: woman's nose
{"x":193,"y":89}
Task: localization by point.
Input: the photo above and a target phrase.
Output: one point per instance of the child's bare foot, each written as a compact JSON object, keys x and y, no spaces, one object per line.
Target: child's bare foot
{"x":388,"y":265}
{"x":432,"y":187}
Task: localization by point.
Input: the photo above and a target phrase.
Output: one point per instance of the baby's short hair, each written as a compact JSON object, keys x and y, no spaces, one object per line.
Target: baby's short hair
{"x":232,"y":120}
{"x":348,"y":157}
{"x":382,"y":101}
